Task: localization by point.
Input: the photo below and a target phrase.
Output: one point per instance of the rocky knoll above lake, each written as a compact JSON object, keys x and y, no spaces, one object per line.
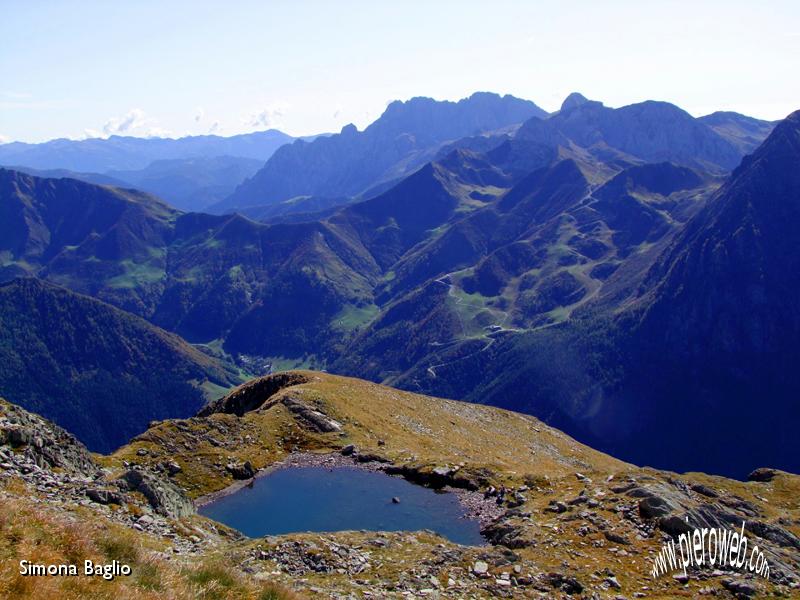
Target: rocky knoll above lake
{"x":561,"y":519}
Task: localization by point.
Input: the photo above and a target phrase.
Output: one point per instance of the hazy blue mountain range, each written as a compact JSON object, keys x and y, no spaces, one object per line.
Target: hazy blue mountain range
{"x":522,"y":267}
{"x":191,"y":183}
{"x":124,"y":153}
{"x":407,"y":135}
{"x":185,"y":183}
{"x":190,"y":173}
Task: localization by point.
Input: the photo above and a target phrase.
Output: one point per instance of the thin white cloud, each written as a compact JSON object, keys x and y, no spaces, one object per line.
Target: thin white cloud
{"x":214,"y":128}
{"x":135,"y":122}
{"x":133,"y":119}
{"x":4,"y":139}
{"x":199,"y":113}
{"x":269,"y":116}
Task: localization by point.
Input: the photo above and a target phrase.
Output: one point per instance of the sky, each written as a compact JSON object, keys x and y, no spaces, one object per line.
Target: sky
{"x":170,"y":68}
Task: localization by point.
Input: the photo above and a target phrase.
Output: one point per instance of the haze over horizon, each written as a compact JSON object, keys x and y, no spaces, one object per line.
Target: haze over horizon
{"x":176,"y":69}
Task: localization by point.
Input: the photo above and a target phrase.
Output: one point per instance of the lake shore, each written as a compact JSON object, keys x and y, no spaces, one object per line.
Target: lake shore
{"x":476,"y":506}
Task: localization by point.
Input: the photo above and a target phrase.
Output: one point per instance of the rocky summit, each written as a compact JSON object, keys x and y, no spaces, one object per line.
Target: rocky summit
{"x":559,"y":519}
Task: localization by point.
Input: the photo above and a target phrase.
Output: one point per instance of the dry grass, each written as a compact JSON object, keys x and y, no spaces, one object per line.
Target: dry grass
{"x":43,"y":536}
{"x":412,"y":429}
{"x":416,"y":430}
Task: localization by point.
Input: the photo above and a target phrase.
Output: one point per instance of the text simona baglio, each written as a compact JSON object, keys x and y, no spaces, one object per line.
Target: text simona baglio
{"x":90,"y":569}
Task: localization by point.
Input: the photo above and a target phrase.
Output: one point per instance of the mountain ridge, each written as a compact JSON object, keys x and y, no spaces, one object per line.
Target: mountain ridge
{"x":129,"y":153}
{"x":96,"y":370}
{"x":404,"y":137}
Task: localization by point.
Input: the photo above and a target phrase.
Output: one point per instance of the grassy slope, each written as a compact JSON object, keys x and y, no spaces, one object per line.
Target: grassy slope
{"x":47,"y":536}
{"x":423,"y":432}
{"x":415,"y":429}
{"x":100,"y":372}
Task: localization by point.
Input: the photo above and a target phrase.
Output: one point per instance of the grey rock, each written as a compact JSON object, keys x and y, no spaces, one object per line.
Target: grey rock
{"x":104,"y":496}
{"x":673,"y":525}
{"x":704,"y":490}
{"x":653,"y":507}
{"x":164,"y":496}
{"x":47,"y":445}
{"x":556,"y":507}
{"x":173,"y":468}
{"x":616,"y":538}
{"x":309,"y":417}
{"x":740,"y":587}
{"x":763,"y":475}
{"x":241,"y":470}
{"x":565,"y":583}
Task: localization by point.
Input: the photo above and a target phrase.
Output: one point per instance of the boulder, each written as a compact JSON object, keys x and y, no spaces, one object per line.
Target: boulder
{"x":653,"y":507}
{"x":739,"y":587}
{"x":241,"y":470}
{"x":612,"y":536}
{"x":565,"y":583}
{"x":763,"y":475}
{"x":253,"y":394}
{"x":673,"y":525}
{"x":556,"y":507}
{"x":310,"y":417}
{"x":104,"y":496}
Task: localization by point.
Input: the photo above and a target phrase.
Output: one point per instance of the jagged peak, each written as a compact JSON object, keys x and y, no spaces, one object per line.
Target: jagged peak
{"x":574,"y":100}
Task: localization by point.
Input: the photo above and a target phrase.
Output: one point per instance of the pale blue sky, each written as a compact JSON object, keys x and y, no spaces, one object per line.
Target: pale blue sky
{"x":77,"y":68}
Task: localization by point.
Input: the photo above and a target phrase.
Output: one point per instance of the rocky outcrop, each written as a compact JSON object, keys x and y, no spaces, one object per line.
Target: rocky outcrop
{"x":102,"y":496}
{"x":253,"y":394}
{"x":763,"y":475}
{"x":439,"y":476}
{"x":44,"y":443}
{"x":676,"y":508}
{"x":508,"y":530}
{"x":241,"y":470}
{"x":310,"y":417}
{"x":164,"y":497}
{"x":260,"y":394}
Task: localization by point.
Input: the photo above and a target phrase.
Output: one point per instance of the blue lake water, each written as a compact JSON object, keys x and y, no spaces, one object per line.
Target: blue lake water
{"x":297,"y":499}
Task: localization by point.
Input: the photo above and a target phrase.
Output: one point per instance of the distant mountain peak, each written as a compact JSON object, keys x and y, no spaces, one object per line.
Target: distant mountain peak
{"x":407,"y":134}
{"x":574,"y":100}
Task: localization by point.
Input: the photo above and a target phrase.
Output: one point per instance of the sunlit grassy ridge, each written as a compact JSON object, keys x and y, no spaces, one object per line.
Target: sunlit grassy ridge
{"x":403,"y":427}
